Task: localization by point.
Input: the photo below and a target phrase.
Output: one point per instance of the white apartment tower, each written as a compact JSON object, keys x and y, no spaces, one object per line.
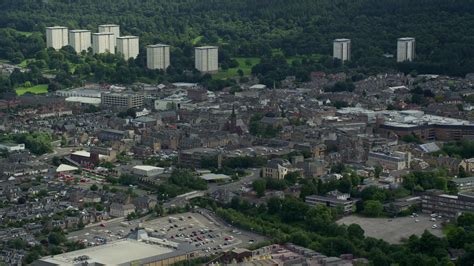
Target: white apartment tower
{"x":103,"y":43}
{"x":405,"y":49}
{"x":80,"y":40}
{"x":206,"y":59}
{"x":115,"y":29}
{"x":342,"y":49}
{"x":56,"y":37}
{"x":128,"y":46}
{"x":158,"y":56}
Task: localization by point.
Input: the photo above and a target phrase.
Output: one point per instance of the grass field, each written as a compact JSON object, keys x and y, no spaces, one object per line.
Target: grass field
{"x":232,"y":72}
{"x":38,"y":89}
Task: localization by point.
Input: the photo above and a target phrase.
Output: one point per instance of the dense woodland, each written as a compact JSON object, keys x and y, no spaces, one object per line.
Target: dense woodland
{"x":268,"y":29}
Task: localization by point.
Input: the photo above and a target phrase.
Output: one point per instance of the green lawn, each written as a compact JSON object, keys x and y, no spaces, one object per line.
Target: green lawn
{"x":232,"y":72}
{"x":38,"y":89}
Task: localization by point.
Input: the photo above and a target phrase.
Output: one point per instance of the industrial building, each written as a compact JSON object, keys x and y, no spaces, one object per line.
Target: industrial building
{"x":128,"y":46}
{"x":56,"y":37}
{"x":122,"y":100}
{"x":103,"y":43}
{"x":206,"y":59}
{"x":158,"y":56}
{"x":80,"y":40}
{"x":405,"y":49}
{"x":115,"y":29}
{"x":147,"y":170}
{"x":342,"y":49}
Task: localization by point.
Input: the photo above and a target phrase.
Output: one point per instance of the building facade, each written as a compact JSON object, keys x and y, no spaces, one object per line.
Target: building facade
{"x":206,"y":59}
{"x":56,"y":37}
{"x":435,"y":201}
{"x":333,"y":199}
{"x":342,"y":49}
{"x":80,"y":40}
{"x":122,"y":100}
{"x":128,"y":46}
{"x":103,"y":43}
{"x":405,"y":49}
{"x":158,"y":56}
{"x":113,"y":28}
{"x":394,"y":161}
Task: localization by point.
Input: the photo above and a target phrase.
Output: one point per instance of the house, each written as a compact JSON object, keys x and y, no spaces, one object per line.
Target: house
{"x":276,"y":168}
{"x":121,"y":210}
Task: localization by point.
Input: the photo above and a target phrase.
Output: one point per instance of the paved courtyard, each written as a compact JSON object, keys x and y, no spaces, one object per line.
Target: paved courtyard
{"x":393,"y":230}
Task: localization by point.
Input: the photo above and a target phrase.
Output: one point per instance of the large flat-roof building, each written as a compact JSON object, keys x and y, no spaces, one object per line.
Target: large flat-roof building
{"x":405,"y":49}
{"x":115,"y":29}
{"x":103,"y":43}
{"x":435,"y":201}
{"x":342,"y":49}
{"x":158,"y":56}
{"x":128,"y":46}
{"x":207,"y":58}
{"x":333,"y":199}
{"x":80,"y":40}
{"x":122,"y":100}
{"x":57,"y":37}
{"x":147,"y":251}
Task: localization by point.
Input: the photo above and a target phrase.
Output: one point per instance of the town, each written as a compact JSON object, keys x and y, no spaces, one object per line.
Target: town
{"x":337,"y":168}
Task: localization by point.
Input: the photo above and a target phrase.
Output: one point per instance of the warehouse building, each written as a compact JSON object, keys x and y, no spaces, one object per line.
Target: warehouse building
{"x":103,"y":43}
{"x":147,"y":170}
{"x":158,"y":56}
{"x":128,"y":46}
{"x":206,"y":59}
{"x":80,"y":40}
{"x":56,"y":37}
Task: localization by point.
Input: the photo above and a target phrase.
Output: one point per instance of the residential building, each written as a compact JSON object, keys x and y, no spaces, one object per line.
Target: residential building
{"x":122,"y":100}
{"x":435,"y":201}
{"x":464,"y":184}
{"x":342,"y":49}
{"x":128,"y":46}
{"x":468,"y":165}
{"x":80,"y":40}
{"x":390,"y":161}
{"x":56,"y":37}
{"x":103,"y":43}
{"x":206,"y":59}
{"x":112,"y":135}
{"x":158,"y":56}
{"x":405,"y":49}
{"x":333,"y":199}
{"x":115,"y":29}
{"x":121,"y":210}
{"x":276,"y":168}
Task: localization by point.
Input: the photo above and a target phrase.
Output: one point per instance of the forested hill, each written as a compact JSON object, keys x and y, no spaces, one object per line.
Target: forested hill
{"x":444,"y":29}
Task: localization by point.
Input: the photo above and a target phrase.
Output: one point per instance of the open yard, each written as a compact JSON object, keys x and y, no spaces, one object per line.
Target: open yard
{"x":245,"y":63}
{"x":393,"y":230}
{"x":38,"y":89}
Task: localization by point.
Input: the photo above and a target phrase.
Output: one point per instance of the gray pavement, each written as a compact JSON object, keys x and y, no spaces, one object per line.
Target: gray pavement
{"x":393,"y":230}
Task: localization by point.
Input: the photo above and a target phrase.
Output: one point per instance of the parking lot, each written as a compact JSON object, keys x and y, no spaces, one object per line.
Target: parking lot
{"x":203,"y":231}
{"x":393,"y":230}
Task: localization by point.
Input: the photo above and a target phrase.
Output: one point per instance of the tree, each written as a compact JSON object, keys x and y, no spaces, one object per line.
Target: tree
{"x":259,"y":186}
{"x":56,"y":238}
{"x":355,"y":231}
{"x":94,"y":187}
{"x":373,"y":208}
{"x":377,"y":171}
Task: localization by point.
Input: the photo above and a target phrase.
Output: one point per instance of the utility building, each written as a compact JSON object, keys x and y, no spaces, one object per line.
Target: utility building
{"x":128,"y":46}
{"x":405,"y":49}
{"x":56,"y":37}
{"x":206,"y":59}
{"x":158,"y":56}
{"x":342,"y":49}
{"x":103,"y":43}
{"x":80,"y":40}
